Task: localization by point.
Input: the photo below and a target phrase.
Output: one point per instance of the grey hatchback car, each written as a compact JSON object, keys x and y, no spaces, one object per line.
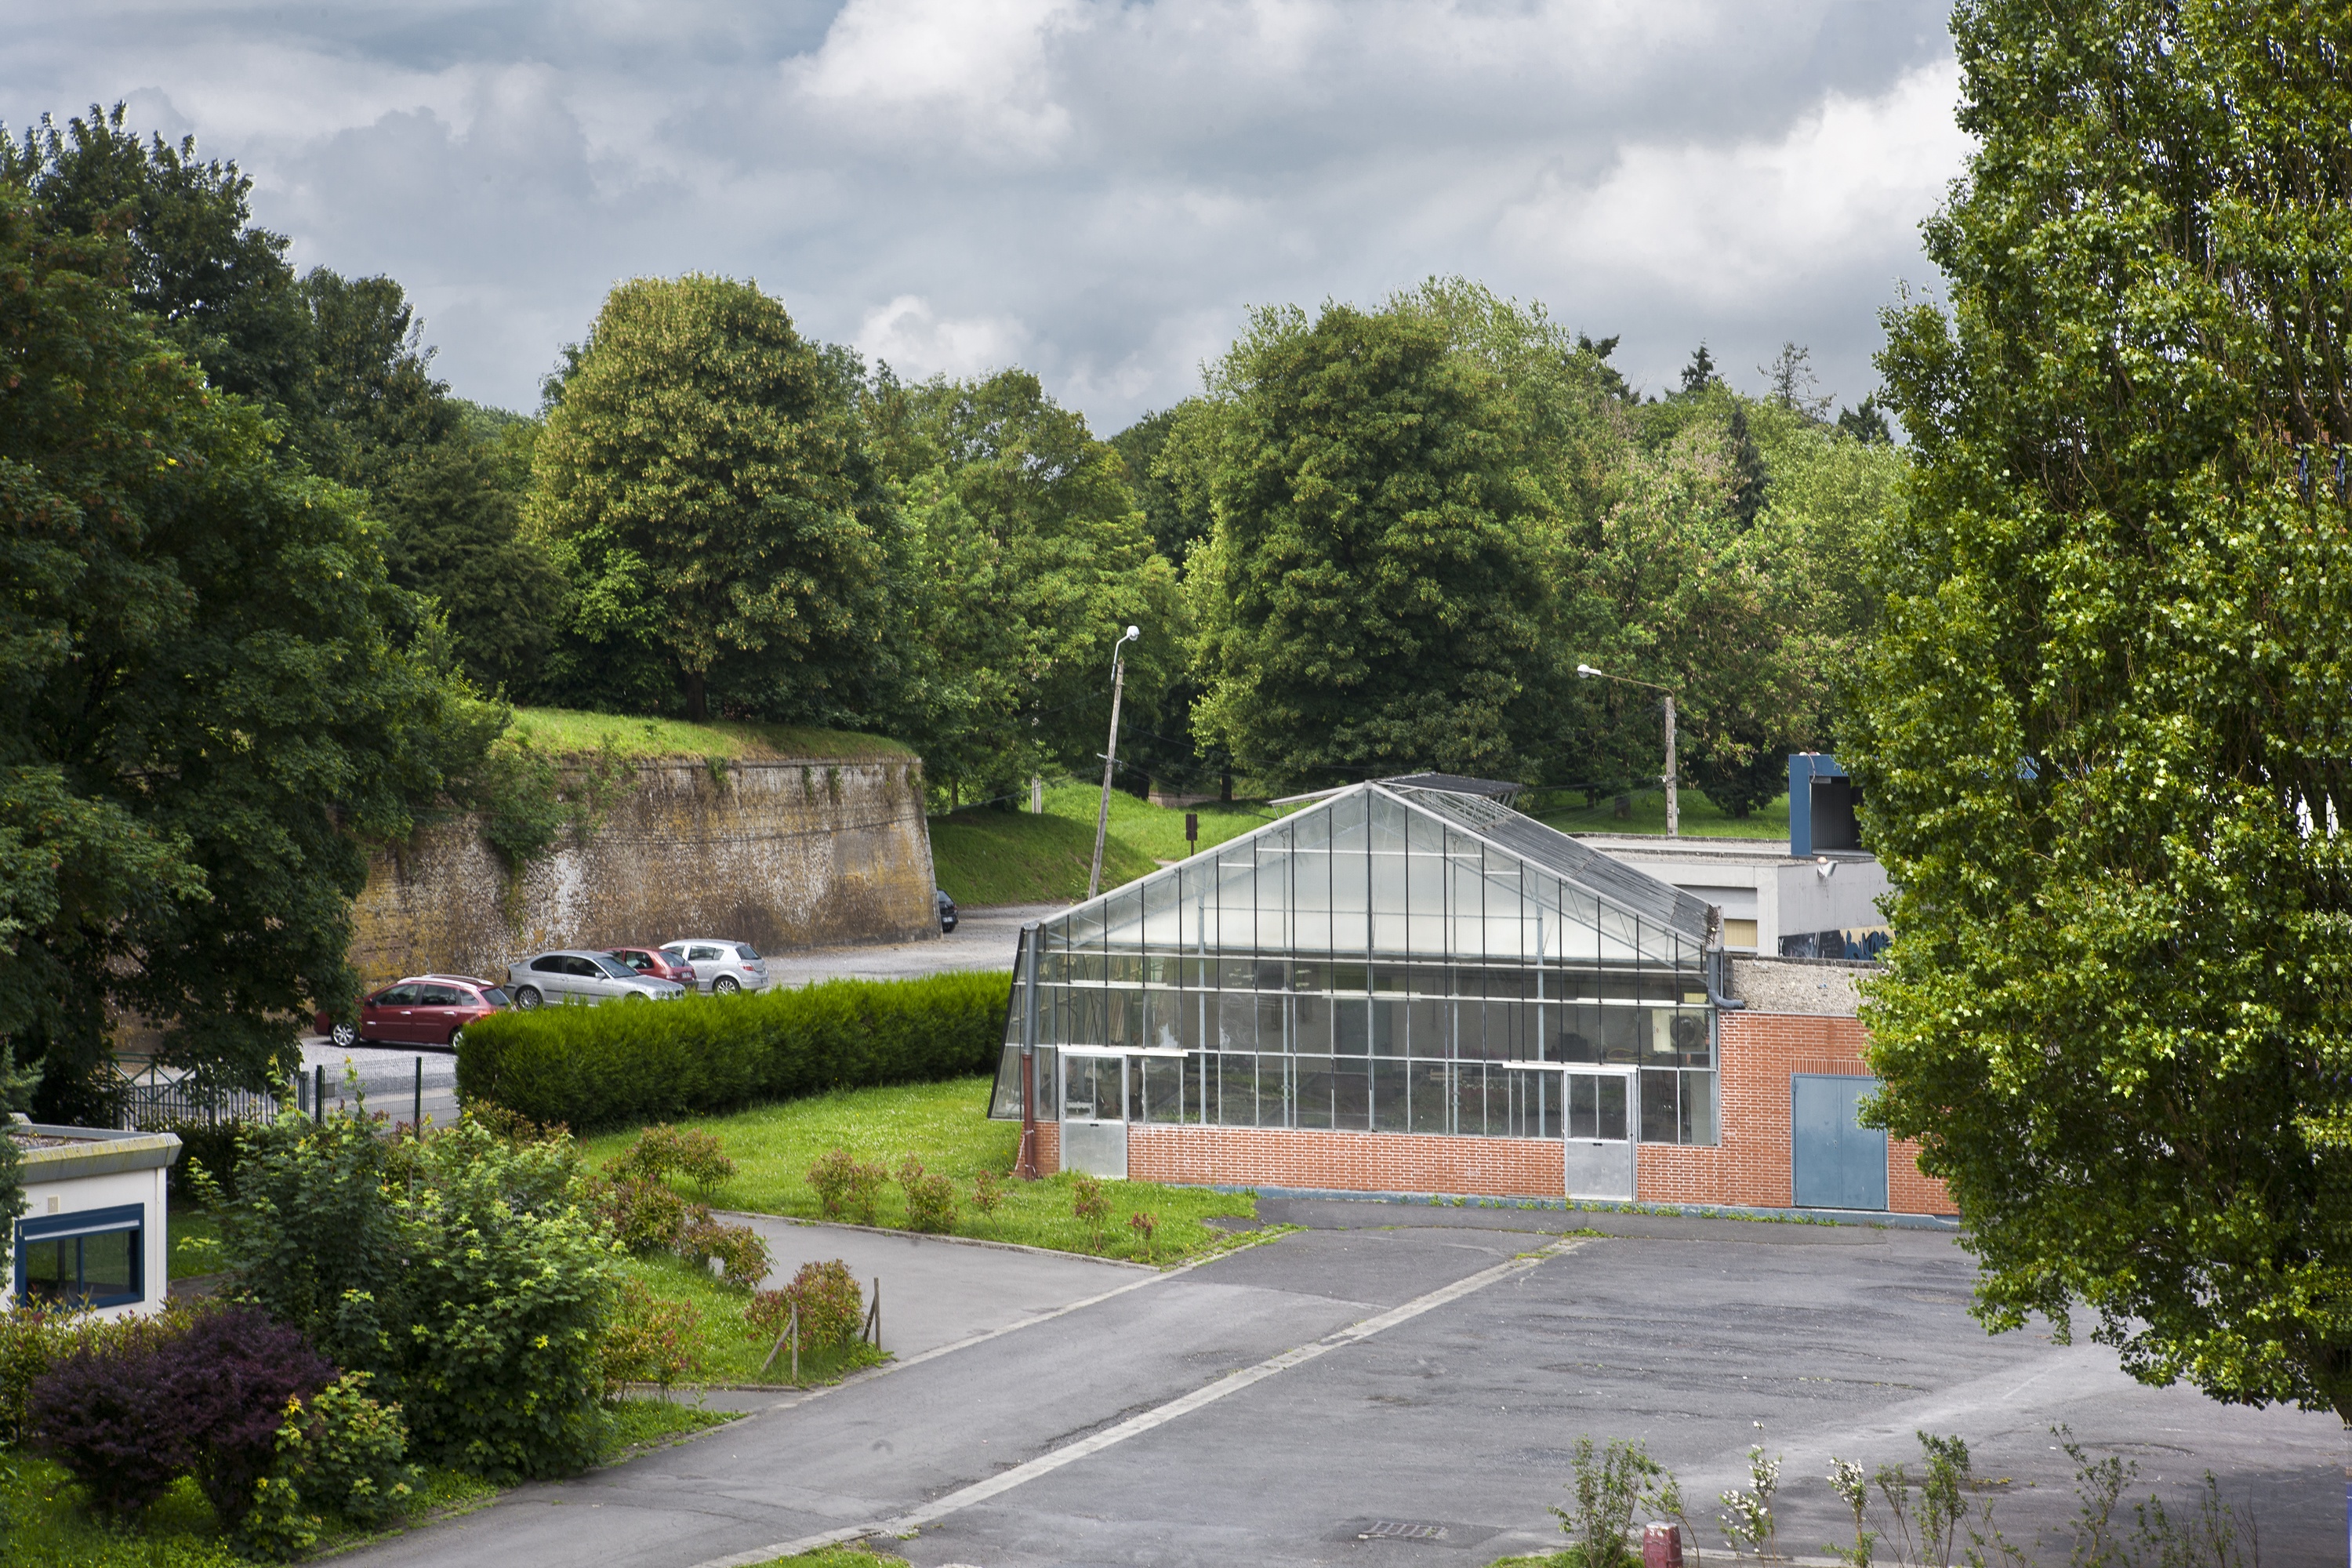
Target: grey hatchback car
{"x":575,"y":975}
{"x":721,"y":968}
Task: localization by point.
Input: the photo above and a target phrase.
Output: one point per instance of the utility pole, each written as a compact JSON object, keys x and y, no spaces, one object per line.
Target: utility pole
{"x":1673,"y":809}
{"x":1111,"y":757}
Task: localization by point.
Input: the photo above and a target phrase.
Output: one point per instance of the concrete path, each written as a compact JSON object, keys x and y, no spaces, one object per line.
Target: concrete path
{"x":1402,"y":1368}
{"x":936,"y":1291}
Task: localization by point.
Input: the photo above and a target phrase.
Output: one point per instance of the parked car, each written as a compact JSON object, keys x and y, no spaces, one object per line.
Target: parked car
{"x":947,"y":909}
{"x":577,"y":975}
{"x":721,"y":967}
{"x":654,"y":961}
{"x":422,"y":1010}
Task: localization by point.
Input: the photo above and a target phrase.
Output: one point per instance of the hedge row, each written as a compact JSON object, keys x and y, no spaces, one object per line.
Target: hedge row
{"x":629,"y":1062}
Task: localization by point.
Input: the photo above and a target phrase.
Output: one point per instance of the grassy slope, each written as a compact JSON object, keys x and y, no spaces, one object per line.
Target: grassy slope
{"x":1700,"y":819}
{"x":945,"y":1126}
{"x":726,"y":1350}
{"x":1011,"y":857}
{"x":566,"y":730}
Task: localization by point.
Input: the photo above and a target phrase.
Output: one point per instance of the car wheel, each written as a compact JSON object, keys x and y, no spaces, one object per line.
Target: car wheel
{"x":456,"y":1038}
{"x":526,"y":997}
{"x":725,"y":985}
{"x":344,"y":1035}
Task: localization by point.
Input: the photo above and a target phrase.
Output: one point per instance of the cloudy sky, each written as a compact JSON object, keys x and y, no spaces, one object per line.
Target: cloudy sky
{"x":1096,"y":190}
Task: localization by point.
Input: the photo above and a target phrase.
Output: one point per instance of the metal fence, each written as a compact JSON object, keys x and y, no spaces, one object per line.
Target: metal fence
{"x":160,"y":1096}
{"x":408,"y":1090}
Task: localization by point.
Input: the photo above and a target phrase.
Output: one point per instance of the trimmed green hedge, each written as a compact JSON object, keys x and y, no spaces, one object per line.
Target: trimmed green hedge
{"x":628,"y":1062}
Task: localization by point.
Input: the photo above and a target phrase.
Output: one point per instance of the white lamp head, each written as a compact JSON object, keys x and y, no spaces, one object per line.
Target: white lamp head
{"x":1584,"y":669}
{"x":1133,"y":633}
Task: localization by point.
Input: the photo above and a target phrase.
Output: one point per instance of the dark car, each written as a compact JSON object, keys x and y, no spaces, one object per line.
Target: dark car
{"x":947,"y":909}
{"x":653,"y":961}
{"x":422,"y":1010}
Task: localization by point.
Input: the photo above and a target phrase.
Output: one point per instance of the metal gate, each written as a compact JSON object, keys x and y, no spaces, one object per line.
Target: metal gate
{"x":1837,"y":1163}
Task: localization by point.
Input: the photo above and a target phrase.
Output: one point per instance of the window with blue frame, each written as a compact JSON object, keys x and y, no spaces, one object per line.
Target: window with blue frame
{"x":95,"y":1259}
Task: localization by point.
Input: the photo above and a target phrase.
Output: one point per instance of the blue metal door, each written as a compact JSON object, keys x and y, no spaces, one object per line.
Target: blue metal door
{"x":1838,"y":1163}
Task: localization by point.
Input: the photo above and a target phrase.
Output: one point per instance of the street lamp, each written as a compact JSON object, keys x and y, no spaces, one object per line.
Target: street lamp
{"x":1111,"y":757}
{"x":1673,"y":813}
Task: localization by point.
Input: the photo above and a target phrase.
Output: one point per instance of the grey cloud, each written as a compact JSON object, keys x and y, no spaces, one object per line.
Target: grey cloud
{"x":1100,"y":188}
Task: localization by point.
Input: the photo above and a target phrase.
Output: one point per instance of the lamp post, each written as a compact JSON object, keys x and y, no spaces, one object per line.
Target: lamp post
{"x":1111,"y":757}
{"x":1673,"y":813}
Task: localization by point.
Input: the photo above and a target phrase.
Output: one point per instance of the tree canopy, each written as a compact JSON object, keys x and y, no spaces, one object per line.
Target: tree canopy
{"x":209,"y":699}
{"x":2104,"y":732}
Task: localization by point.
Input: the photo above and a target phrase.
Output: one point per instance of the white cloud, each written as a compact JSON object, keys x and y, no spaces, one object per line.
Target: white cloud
{"x":916,"y":342}
{"x":977,"y":67}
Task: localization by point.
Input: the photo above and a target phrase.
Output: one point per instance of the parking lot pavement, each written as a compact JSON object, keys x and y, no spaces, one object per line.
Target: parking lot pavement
{"x":1273,"y":1406}
{"x":983,"y":939}
{"x":387,"y":1077}
{"x":936,"y":1291}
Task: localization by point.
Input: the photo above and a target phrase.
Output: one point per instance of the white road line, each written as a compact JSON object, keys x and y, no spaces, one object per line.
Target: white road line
{"x":1046,"y":1464}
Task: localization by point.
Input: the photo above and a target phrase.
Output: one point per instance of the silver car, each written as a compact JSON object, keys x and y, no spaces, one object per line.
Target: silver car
{"x":576,"y":976}
{"x":721,"y":968}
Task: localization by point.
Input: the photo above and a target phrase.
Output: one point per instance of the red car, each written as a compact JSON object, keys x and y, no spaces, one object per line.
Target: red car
{"x":653,"y":961}
{"x":422,"y":1010}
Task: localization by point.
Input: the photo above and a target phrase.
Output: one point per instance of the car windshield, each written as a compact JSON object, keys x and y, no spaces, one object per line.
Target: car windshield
{"x":616,"y":969}
{"x":494,"y":996}
{"x":746,"y":952}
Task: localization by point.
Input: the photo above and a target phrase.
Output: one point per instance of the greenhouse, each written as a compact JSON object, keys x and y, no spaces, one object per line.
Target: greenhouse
{"x":1408,"y":956}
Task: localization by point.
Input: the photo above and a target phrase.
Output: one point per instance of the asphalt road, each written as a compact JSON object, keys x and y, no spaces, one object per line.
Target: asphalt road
{"x":1414,"y":1367}
{"x":983,"y":939}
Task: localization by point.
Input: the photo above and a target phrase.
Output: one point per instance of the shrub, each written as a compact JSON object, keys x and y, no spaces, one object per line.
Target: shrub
{"x":1610,"y":1485}
{"x":743,"y":1257}
{"x":455,"y":1268}
{"x":99,"y":1410}
{"x":647,"y":1338}
{"x":642,"y":1213}
{"x":1146,"y":1226}
{"x":987,"y":1192}
{"x":603,"y":1067}
{"x":768,"y":1314}
{"x":1089,"y":1203}
{"x":930,"y":1200}
{"x":846,"y":1188}
{"x":833,"y":1309}
{"x":662,"y":1151}
{"x":340,"y":1451}
{"x":30,"y":1338}
{"x":231,"y":1376}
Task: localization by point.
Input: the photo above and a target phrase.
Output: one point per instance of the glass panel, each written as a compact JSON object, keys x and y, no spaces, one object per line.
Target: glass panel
{"x":1091,"y":1088}
{"x":1698,"y":1122}
{"x":1272,"y":1090}
{"x":1237,"y":1021}
{"x":1610,"y":1104}
{"x":1310,"y":1094}
{"x":49,"y":1269}
{"x":1425,"y":1031}
{"x":1238,"y":1088}
{"x":1432,"y":1097}
{"x":1311,"y":1024}
{"x":1582,"y":1101}
{"x":1388,"y":1028}
{"x":1470,"y":1098}
{"x":1351,"y":1092}
{"x":1389,"y":1098}
{"x":1004,"y":1104}
{"x":109,"y":1262}
{"x":1162,"y":1079}
{"x":1660,"y":1108}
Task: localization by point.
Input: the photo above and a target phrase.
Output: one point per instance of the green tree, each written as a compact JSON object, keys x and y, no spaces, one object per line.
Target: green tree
{"x":207,"y":705}
{"x":702,"y":480}
{"x":1027,"y":554}
{"x":1375,"y":593}
{"x":2104,"y":734}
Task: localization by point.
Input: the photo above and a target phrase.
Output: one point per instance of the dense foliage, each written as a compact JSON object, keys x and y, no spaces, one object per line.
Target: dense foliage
{"x":2104,"y":732}
{"x":454,"y":1269}
{"x":597,"y":1066}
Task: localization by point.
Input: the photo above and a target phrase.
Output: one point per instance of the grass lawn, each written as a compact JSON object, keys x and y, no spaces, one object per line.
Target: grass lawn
{"x":195,"y":1242}
{"x":47,"y":1524}
{"x":989,"y":856}
{"x":563,"y":730}
{"x":1700,"y":818}
{"x":945,"y":1126}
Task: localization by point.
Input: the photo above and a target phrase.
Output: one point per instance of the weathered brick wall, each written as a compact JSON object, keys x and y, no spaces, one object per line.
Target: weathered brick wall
{"x":1761,"y":1051}
{"x":1346,"y":1161}
{"x":778,"y":854}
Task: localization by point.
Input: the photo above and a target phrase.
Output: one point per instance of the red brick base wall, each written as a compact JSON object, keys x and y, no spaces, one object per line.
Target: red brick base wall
{"x":1749,"y":1169}
{"x":1347,"y":1161}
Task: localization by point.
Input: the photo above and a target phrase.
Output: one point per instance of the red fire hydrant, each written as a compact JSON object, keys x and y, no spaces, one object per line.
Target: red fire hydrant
{"x":1661,"y":1546}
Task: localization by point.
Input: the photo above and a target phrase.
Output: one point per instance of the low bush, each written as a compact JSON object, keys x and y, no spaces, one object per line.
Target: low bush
{"x":832,"y":1306}
{"x":1090,"y":1206}
{"x":665,"y":1150}
{"x":931,"y":1199}
{"x":743,"y":1256}
{"x":602,"y":1067}
{"x":99,"y":1410}
{"x":846,"y":1188}
{"x":642,"y":1213}
{"x":647,"y":1338}
{"x":232,"y":1376}
{"x":339,"y":1453}
{"x":987,"y":1192}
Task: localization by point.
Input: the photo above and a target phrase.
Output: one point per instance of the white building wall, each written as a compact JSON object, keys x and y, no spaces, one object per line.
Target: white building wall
{"x":80,"y":1194}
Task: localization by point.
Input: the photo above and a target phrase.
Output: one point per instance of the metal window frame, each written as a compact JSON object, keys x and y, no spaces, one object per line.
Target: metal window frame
{"x":82,"y":1223}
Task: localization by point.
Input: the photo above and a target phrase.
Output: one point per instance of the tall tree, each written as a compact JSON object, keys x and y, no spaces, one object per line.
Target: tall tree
{"x":2103,"y":738}
{"x":1375,"y":595}
{"x":209,"y":700}
{"x":703,"y":477}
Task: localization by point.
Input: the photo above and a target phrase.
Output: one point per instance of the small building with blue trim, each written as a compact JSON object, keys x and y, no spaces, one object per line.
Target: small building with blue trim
{"x":93,"y":1233}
